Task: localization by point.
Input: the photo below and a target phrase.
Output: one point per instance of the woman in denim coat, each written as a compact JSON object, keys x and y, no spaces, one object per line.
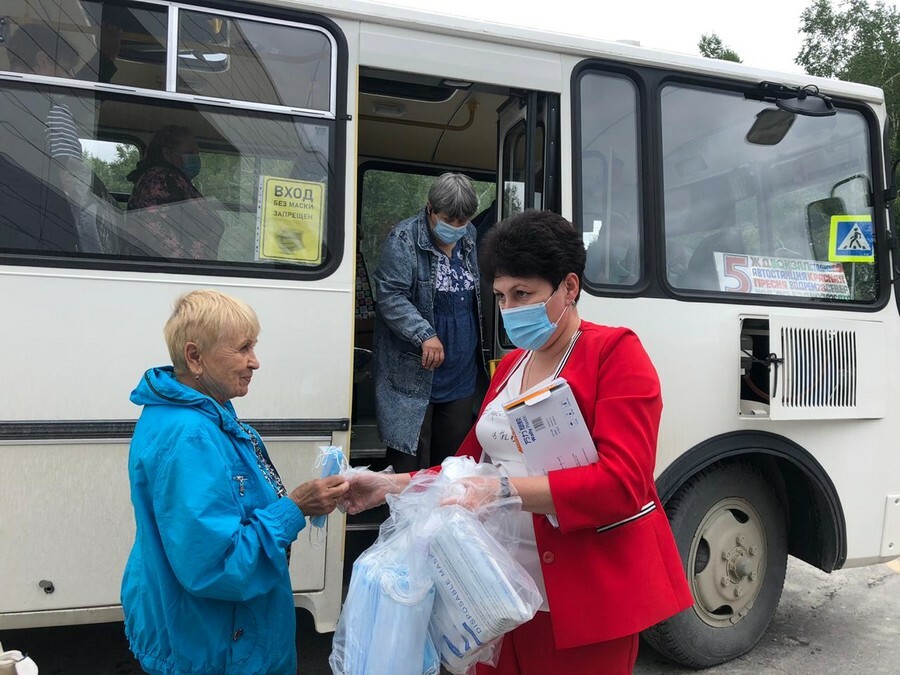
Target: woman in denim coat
{"x":428,"y":328}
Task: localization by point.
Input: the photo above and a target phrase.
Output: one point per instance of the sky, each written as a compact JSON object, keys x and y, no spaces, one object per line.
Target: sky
{"x":764,"y":33}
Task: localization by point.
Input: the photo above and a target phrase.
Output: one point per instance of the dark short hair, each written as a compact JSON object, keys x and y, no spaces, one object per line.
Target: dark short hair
{"x":29,"y":39}
{"x":533,"y":243}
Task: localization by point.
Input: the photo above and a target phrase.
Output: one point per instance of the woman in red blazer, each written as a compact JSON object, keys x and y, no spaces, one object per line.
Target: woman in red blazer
{"x":611,"y":568}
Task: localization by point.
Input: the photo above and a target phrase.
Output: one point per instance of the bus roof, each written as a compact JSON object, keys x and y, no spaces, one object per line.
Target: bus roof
{"x":564,"y":43}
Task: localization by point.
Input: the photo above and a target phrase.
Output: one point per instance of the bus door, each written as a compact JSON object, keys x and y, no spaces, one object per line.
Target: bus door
{"x":412,"y":128}
{"x":527,"y":175}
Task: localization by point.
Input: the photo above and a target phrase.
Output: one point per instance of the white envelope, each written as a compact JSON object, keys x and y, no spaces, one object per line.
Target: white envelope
{"x":550,"y":430}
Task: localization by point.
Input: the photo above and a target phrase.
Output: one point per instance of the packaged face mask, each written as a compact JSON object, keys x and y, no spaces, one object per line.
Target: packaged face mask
{"x":14,"y":662}
{"x":331,"y":459}
{"x":383,"y":627}
{"x":482,"y":592}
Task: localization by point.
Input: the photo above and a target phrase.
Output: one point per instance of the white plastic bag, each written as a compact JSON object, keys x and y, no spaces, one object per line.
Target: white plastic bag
{"x":14,"y":662}
{"x":438,"y":581}
{"x":482,"y":591}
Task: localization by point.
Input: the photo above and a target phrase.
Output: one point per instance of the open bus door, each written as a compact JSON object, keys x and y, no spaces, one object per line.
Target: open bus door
{"x":527,"y":177}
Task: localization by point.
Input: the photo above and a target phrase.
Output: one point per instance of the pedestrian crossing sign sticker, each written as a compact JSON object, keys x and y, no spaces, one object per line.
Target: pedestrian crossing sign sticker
{"x":851,"y":239}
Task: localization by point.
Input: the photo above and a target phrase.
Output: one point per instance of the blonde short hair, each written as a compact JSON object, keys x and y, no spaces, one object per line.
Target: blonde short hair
{"x":205,"y":317}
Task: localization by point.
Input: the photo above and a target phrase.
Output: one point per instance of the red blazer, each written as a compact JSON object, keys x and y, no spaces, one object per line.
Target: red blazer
{"x":612,"y":568}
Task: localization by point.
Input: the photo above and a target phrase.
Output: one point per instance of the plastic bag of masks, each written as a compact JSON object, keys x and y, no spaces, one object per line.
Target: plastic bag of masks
{"x":440,"y":584}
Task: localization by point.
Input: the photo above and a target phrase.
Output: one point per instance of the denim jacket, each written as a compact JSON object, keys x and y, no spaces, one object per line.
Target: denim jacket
{"x":404,"y":319}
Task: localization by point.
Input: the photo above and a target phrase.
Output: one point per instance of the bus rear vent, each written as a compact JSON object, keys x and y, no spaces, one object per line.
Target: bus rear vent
{"x":820,"y":368}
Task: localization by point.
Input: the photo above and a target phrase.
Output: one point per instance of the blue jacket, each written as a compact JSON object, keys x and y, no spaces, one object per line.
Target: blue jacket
{"x":206,"y":588}
{"x":404,"y":319}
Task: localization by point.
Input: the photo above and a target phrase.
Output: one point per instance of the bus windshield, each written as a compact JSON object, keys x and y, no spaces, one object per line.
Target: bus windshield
{"x":755,"y":200}
{"x":770,"y":202}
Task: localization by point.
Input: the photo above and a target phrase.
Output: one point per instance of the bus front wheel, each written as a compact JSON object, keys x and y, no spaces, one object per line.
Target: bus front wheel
{"x":729,"y":526}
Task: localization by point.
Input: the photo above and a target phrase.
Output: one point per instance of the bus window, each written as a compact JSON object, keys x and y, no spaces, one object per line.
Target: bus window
{"x":747,"y":217}
{"x":233,"y":58}
{"x":608,"y":212}
{"x":258,"y":194}
{"x":128,"y":44}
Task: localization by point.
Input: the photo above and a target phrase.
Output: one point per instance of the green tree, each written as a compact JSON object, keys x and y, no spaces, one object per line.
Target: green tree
{"x":113,"y":173}
{"x":512,"y":203}
{"x":712,"y":47}
{"x":858,"y":42}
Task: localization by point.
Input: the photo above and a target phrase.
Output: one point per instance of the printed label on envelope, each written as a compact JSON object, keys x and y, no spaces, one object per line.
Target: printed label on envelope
{"x":549,"y":429}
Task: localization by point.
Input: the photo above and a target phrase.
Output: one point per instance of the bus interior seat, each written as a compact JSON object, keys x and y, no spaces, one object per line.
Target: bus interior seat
{"x":818,"y":220}
{"x":700,"y":273}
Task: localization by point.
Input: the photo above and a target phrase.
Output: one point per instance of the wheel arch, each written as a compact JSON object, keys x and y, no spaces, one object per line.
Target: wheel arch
{"x":817,"y":532}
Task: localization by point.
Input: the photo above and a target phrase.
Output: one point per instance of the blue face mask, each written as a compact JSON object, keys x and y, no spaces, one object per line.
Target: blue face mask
{"x":529,"y":327}
{"x":190,"y":164}
{"x":447,"y":234}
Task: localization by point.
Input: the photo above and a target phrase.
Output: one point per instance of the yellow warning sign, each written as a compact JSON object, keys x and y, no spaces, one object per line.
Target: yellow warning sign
{"x":851,"y":239}
{"x":290,"y":220}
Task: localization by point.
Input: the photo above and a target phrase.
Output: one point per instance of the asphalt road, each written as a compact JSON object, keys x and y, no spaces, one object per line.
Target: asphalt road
{"x":845,"y":622}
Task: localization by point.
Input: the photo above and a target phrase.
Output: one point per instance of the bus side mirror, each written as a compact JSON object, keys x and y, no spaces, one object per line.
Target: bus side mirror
{"x":818,"y":219}
{"x":770,"y":127}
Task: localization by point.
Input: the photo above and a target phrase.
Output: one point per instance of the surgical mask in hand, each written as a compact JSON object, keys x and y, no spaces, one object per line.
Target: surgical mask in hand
{"x":190,"y":164}
{"x":446,"y":233}
{"x":529,"y":327}
{"x":331,"y":459}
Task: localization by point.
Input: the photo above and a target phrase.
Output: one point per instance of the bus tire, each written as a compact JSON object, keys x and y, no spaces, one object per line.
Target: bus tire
{"x":731,"y":533}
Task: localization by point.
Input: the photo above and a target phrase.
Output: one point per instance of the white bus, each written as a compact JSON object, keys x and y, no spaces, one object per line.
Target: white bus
{"x":738,"y":220}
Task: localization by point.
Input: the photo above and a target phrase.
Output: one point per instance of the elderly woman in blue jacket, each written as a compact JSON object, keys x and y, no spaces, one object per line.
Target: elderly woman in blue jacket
{"x":428,"y":328}
{"x":206,"y":589}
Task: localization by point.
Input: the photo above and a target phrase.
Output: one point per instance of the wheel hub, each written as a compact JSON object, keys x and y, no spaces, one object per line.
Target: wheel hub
{"x":727,"y":558}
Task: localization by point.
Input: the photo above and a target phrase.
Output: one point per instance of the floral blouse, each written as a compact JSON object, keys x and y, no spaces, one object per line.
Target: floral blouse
{"x":175,"y":216}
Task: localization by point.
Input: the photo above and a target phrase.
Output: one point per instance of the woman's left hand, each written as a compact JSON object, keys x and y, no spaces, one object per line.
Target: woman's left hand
{"x":432,"y":353}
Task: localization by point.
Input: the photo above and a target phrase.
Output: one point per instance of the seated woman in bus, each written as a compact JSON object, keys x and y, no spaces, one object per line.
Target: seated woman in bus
{"x":611,"y":568}
{"x":168,"y":215}
{"x":206,"y":588}
{"x":427,"y":339}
